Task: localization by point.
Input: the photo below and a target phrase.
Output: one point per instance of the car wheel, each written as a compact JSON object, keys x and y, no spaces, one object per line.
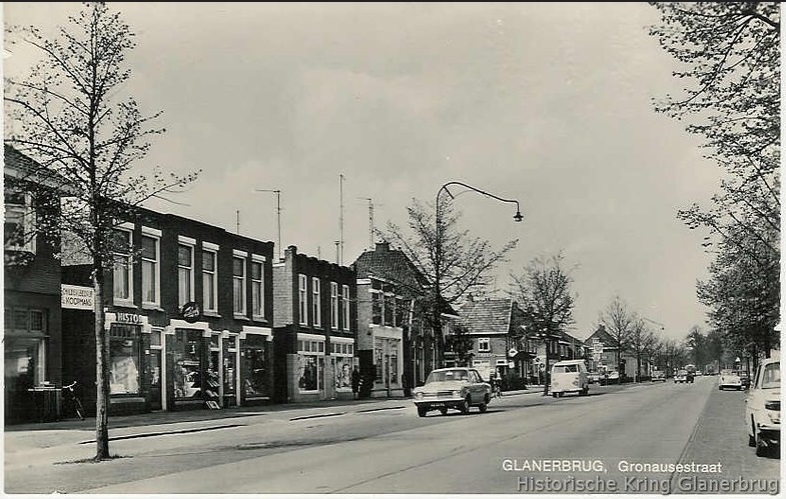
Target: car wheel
{"x":585,"y":391}
{"x":554,"y":394}
{"x":422,"y":412}
{"x":483,"y":407}
{"x":465,"y":406}
{"x":751,"y":435}
{"x":443,"y":410}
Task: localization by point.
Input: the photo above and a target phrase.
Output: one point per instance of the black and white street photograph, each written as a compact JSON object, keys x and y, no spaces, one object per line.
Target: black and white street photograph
{"x":382,"y":248}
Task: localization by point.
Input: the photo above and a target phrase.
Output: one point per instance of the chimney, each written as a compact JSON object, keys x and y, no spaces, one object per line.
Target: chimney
{"x":382,"y":246}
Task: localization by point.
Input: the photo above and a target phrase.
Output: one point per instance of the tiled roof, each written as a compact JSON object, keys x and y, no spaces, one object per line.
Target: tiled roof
{"x":492,"y":315}
{"x":389,"y":264}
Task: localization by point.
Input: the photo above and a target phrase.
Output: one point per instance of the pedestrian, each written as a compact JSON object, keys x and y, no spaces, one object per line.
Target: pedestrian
{"x":355,"y":382}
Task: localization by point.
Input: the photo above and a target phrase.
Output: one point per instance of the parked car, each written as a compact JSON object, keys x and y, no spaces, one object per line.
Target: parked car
{"x":569,"y":376}
{"x":452,"y":388}
{"x":745,"y":380}
{"x":681,"y":376}
{"x":658,"y":376}
{"x":729,"y":379}
{"x":613,"y":377}
{"x":594,"y":377}
{"x":763,"y":407}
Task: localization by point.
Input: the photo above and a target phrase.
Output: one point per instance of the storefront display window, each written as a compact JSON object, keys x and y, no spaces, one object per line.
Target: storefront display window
{"x":187,"y":355}
{"x":343,"y":363}
{"x":310,"y":373}
{"x":257,"y":384}
{"x":124,"y":360}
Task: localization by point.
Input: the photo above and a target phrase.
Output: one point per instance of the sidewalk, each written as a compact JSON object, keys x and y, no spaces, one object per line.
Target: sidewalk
{"x":196,"y":415}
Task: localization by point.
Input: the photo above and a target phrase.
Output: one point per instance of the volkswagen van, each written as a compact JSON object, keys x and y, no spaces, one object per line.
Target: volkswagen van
{"x":569,"y":376}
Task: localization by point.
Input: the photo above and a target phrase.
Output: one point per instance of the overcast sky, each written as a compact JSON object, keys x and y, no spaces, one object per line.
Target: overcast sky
{"x":549,"y":104}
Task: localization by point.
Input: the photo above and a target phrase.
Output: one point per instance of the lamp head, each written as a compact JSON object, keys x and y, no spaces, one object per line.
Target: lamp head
{"x":518,"y":217}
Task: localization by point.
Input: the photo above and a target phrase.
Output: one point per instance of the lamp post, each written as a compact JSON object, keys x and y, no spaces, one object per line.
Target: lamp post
{"x":437,"y":321}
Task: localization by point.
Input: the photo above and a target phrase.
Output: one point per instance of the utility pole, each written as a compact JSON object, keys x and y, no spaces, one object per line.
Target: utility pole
{"x":277,"y":192}
{"x":341,"y":219}
{"x":370,"y":222}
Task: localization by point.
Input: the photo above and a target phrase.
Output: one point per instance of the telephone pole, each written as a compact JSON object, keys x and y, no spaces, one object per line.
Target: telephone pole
{"x":341,"y":219}
{"x":277,"y":192}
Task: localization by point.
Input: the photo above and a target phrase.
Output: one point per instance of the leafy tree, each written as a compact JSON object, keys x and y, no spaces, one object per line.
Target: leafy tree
{"x":544,"y":293}
{"x":730,"y":61}
{"x":69,"y":114}
{"x":460,"y":342}
{"x":619,"y":321}
{"x":452,"y":262}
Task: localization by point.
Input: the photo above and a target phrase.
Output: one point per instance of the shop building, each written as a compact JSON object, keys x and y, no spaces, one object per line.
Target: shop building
{"x":32,"y":339}
{"x":388,"y":287}
{"x":314,"y":328}
{"x":188,"y":317}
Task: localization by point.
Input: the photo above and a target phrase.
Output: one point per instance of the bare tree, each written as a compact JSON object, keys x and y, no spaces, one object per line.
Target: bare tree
{"x":68,"y":115}
{"x":642,"y":341}
{"x":619,"y":321}
{"x":452,"y":262}
{"x":544,"y":292}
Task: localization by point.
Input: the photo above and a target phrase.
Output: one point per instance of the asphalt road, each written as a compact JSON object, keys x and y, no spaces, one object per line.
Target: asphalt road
{"x":597,"y":443}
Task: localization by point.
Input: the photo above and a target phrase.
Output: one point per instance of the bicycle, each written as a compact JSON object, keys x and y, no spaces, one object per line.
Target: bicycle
{"x":73,"y":401}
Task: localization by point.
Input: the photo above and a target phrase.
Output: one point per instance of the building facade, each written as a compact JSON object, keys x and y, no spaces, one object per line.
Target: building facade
{"x":314,"y":327}
{"x":189,"y":315}
{"x":32,"y":339}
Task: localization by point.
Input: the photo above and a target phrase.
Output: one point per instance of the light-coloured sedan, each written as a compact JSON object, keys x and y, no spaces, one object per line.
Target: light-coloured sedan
{"x":729,"y":379}
{"x":452,"y":388}
{"x":763,"y":407}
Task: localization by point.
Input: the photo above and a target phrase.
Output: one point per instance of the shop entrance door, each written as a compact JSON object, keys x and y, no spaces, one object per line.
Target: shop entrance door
{"x":155,"y":380}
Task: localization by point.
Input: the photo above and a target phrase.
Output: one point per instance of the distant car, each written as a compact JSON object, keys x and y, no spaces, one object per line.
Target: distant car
{"x":658,"y":376}
{"x":699,"y":373}
{"x":452,"y":388}
{"x":569,"y":376}
{"x":763,"y":407}
{"x":613,"y":377}
{"x":729,"y":379}
{"x":745,"y":380}
{"x":593,"y":377}
{"x":681,"y":376}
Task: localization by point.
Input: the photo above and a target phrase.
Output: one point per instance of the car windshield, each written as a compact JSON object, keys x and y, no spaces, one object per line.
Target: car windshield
{"x":450,"y":375}
{"x":728,"y":372}
{"x":570,"y":368}
{"x":682,"y":373}
{"x":771,"y":377}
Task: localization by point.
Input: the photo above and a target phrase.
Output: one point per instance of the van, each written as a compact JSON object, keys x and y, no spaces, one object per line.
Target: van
{"x":569,"y":376}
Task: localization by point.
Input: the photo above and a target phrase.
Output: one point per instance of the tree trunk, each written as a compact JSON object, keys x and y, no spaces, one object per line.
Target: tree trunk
{"x":102,"y":369}
{"x":546,"y":372}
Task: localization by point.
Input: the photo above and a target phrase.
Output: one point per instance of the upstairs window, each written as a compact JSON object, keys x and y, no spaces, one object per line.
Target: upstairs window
{"x":123,"y":283}
{"x":239,"y":285}
{"x":209,"y":289}
{"x":19,"y":225}
{"x":150,"y":270}
{"x":302,"y":297}
{"x":257,"y":289}
{"x":334,"y":305}
{"x":317,"y":303}
{"x":185,"y":273}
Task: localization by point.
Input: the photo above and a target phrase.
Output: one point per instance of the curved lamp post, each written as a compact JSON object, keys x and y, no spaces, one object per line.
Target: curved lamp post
{"x":438,"y":253}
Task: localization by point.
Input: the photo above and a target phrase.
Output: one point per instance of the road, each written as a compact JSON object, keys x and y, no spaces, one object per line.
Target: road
{"x":594,"y":443}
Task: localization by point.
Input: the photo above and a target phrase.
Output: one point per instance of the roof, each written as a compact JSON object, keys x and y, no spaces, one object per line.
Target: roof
{"x":390,"y":264}
{"x":491,"y":315}
{"x":601,"y":335}
{"x":21,"y":167}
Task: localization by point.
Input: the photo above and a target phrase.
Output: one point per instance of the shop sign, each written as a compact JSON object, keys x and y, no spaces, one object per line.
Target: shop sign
{"x":190,"y":311}
{"x":76,"y":297}
{"x":128,"y":318}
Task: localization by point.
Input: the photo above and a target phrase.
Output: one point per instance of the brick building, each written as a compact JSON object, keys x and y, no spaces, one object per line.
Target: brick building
{"x":188,"y":317}
{"x":314,"y":326}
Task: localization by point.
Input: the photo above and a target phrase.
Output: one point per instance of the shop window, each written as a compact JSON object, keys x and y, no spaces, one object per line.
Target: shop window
{"x":187,"y":357}
{"x":345,"y":303}
{"x":124,"y":360}
{"x":230,"y":352}
{"x":257,"y":290}
{"x":19,"y":224}
{"x":185,"y":273}
{"x":302,"y":298}
{"x":209,"y":291}
{"x":343,"y":364}
{"x":239,"y":285}
{"x":24,"y":363}
{"x":150,"y":275}
{"x":311,"y":365}
{"x":123,"y":283}
{"x":212,"y":383}
{"x":378,"y":362}
{"x":256,"y":384}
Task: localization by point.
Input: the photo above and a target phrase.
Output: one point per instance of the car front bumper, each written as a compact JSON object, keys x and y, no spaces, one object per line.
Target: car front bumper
{"x":439,"y":403}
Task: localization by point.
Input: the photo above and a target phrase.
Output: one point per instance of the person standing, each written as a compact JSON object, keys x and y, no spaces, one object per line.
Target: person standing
{"x":355,"y":382}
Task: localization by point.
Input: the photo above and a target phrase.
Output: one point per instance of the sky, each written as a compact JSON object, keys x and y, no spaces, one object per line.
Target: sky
{"x":334,"y":104}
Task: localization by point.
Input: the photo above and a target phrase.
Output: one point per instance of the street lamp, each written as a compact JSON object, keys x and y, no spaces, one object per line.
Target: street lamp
{"x":438,"y":253}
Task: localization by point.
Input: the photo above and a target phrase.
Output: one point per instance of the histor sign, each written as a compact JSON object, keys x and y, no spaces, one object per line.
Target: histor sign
{"x":76,"y":297}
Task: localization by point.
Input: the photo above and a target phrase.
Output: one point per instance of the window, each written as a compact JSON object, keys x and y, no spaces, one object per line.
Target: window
{"x":346,"y":326}
{"x":342,"y":358}
{"x":185,"y":273}
{"x":150,"y":270}
{"x":239,"y":285}
{"x":311,"y":358}
{"x":123,"y":284}
{"x":302,"y":298}
{"x":389,"y":305}
{"x":257,"y":289}
{"x":124,"y":360}
{"x":316,"y":304}
{"x":19,"y":226}
{"x":334,"y":305}
{"x":377,"y":304}
{"x":209,"y":290}
{"x":484,"y":345}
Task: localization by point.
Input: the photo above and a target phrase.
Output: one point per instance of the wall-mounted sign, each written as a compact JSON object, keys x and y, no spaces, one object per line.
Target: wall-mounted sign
{"x":128,"y":318}
{"x":76,"y":297}
{"x":190,"y":311}
{"x":512,"y":352}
